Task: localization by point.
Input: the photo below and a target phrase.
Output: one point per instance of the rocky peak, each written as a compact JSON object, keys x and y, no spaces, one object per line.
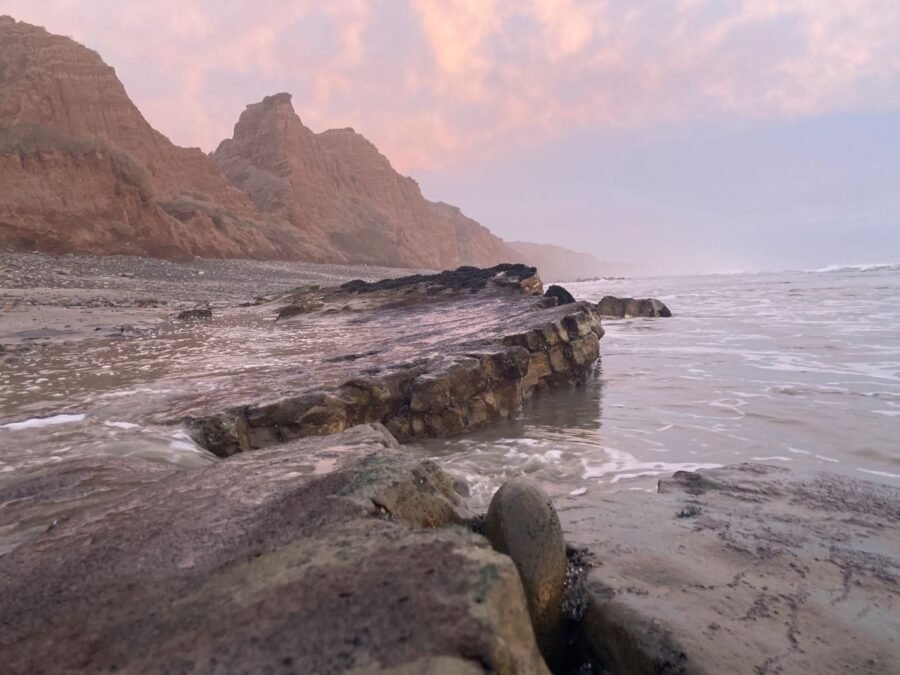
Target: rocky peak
{"x":338,"y":188}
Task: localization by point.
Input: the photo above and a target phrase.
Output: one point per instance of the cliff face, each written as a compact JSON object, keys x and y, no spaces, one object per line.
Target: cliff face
{"x":72,"y":145}
{"x":55,"y":83}
{"x":48,"y":189}
{"x":343,"y":195}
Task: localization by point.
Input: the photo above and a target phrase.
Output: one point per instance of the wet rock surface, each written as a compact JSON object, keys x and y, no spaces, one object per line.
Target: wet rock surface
{"x":745,"y":569}
{"x":630,"y":307}
{"x":326,"y":555}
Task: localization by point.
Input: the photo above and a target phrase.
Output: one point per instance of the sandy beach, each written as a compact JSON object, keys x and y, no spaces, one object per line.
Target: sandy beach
{"x":46,"y":299}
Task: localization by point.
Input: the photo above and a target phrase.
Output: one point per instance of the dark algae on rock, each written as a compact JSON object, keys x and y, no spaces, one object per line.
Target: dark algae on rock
{"x":563,"y":297}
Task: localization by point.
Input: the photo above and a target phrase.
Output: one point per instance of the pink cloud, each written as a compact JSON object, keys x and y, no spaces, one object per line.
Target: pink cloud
{"x":484,"y":76}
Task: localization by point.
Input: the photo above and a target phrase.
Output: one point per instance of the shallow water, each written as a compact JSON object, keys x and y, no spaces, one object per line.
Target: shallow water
{"x":799,"y":369}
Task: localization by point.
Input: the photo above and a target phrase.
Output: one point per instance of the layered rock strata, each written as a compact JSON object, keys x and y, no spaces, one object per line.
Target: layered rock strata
{"x":262,"y":563}
{"x":438,"y":355}
{"x":81,"y":170}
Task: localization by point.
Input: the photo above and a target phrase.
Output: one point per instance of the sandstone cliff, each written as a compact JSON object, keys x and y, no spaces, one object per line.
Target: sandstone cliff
{"x":82,"y":171}
{"x":67,"y":128}
{"x":344,"y":195}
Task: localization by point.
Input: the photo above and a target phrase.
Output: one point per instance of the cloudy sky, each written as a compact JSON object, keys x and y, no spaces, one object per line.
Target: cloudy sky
{"x":685,"y":134}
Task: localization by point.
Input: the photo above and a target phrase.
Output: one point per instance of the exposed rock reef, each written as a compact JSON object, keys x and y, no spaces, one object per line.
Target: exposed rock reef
{"x":343,"y":554}
{"x":747,"y":569}
{"x":344,"y":196}
{"x":474,"y":344}
{"x":629,"y":307}
{"x":258,"y":564}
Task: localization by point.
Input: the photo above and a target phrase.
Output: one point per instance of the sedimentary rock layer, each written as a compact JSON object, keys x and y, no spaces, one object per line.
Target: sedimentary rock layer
{"x":438,"y":355}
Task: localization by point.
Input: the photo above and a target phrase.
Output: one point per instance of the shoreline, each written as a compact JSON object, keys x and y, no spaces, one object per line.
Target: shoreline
{"x":285,"y":553}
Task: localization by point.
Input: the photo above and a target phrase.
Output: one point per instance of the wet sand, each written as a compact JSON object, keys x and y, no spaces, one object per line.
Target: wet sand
{"x":47,"y":299}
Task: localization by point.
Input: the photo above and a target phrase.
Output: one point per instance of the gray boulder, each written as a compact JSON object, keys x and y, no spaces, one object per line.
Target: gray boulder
{"x":199,"y":314}
{"x":630,"y":307}
{"x":522,"y":523}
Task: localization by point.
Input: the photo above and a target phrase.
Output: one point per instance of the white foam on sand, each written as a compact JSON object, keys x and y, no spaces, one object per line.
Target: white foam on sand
{"x":121,"y":425}
{"x":38,"y":422}
{"x":886,"y":474}
{"x":622,"y":465}
{"x":774,"y":458}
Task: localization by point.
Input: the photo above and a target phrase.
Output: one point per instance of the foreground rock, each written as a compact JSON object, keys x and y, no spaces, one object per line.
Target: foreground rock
{"x":746,"y":569}
{"x":432,"y":355}
{"x":261,"y":563}
{"x":629,"y":307}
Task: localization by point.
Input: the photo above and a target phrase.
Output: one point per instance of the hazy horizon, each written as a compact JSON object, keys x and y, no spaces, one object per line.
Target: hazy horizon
{"x":699,"y":135}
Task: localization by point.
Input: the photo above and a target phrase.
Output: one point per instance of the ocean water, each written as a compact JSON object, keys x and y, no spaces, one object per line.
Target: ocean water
{"x":797,"y":369}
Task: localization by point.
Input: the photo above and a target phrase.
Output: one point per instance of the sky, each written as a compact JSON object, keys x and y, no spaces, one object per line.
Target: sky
{"x":682,"y":135}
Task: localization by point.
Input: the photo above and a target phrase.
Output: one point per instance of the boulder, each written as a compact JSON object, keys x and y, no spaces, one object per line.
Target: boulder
{"x":522,"y":523}
{"x":563,"y":297}
{"x":195,"y":315}
{"x":745,"y":569}
{"x":630,"y":307}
